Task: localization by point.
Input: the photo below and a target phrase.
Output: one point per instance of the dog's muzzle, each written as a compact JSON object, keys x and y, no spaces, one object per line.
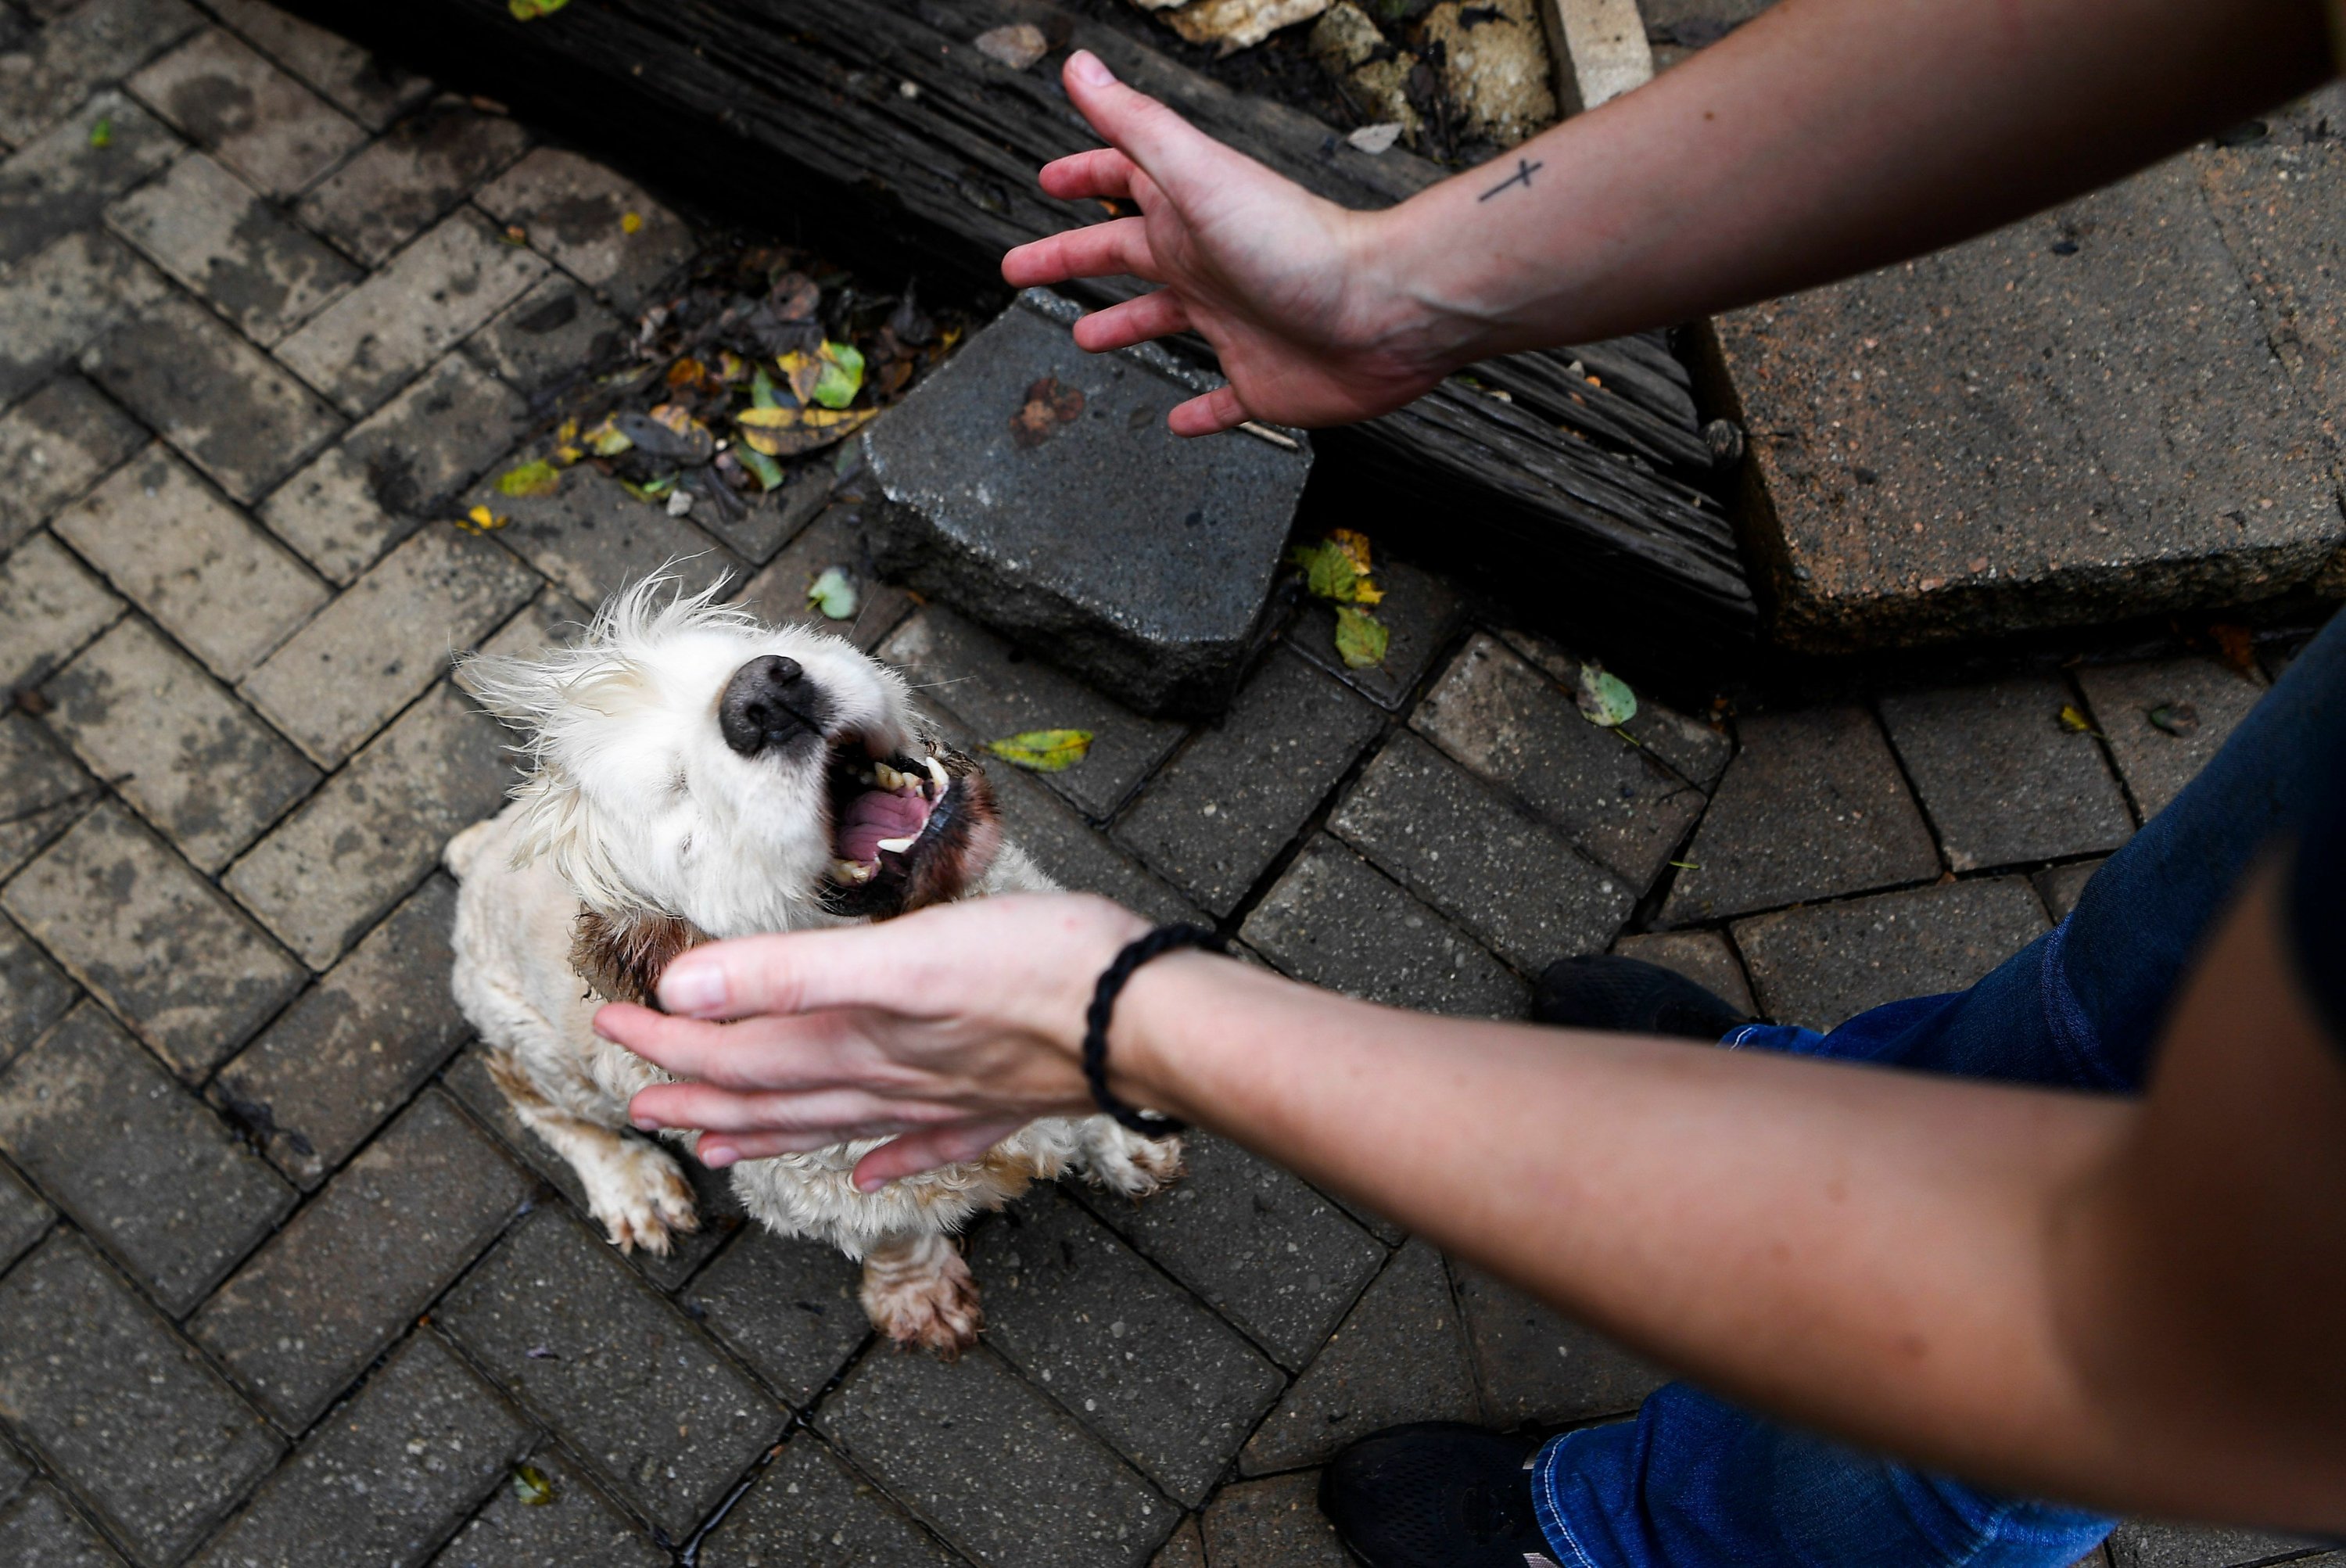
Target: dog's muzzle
{"x":769,"y":703}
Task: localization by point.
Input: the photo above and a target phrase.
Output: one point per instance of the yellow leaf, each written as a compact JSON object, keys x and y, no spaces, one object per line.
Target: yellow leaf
{"x":1355,"y":548}
{"x":629,"y":222}
{"x":1367,"y":593}
{"x":786,"y":432}
{"x":480,"y":520}
{"x":1044,"y":750}
{"x":538,"y":478}
{"x":2074,"y":721}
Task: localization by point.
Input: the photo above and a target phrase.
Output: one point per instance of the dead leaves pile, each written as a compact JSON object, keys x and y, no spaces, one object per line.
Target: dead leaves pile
{"x":1337,"y":569}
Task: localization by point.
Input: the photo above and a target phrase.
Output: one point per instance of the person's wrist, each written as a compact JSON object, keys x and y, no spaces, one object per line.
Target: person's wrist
{"x":1104,"y":928}
{"x":1415,"y":303}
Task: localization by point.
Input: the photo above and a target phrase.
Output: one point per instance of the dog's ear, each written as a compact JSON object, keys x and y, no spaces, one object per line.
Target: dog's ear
{"x":520,"y":691}
{"x":623,"y":956}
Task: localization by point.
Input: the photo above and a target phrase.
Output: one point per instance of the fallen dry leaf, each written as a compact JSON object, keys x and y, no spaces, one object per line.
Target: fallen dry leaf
{"x":1044,"y":750}
{"x":1235,"y":25}
{"x":537,"y":478}
{"x":1050,"y":403}
{"x":1017,"y":46}
{"x":2237,"y":647}
{"x":1361,"y":639}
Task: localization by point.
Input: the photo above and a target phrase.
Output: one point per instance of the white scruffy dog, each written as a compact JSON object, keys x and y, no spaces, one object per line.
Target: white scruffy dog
{"x":694,"y":774}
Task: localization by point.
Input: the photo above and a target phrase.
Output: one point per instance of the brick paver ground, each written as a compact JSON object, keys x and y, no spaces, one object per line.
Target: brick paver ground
{"x":283,"y":1281}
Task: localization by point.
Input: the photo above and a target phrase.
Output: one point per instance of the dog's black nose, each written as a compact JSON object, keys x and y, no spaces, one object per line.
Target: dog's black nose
{"x":768,"y":702}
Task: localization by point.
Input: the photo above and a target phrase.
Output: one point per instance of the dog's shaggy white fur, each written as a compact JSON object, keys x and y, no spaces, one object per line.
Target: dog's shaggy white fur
{"x":694,"y":774}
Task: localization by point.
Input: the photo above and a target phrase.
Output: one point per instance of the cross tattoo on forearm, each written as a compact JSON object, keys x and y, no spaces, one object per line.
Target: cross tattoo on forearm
{"x":1523,"y":176}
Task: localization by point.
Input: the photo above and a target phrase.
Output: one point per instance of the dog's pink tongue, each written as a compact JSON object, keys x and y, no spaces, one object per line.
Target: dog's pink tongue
{"x":875,"y":815}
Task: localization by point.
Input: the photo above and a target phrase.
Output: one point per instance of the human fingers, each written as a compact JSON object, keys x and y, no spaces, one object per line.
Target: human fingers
{"x":788,"y":1052}
{"x":916,"y":1151}
{"x":838,"y":1113}
{"x":1137,"y":125}
{"x":1218,"y":410}
{"x":1097,"y":251}
{"x":1159,"y":314}
{"x":1101,"y":172}
{"x":799,"y":971}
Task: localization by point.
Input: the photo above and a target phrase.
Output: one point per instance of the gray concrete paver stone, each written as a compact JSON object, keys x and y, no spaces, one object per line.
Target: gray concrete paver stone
{"x":177,"y":1200}
{"x":2140,"y":1544}
{"x":23,"y":1220}
{"x":233,"y":411}
{"x":40,"y":1532}
{"x":1332,"y":919}
{"x":41,"y":792}
{"x":304,"y":1316}
{"x":154,"y":1443}
{"x":207,"y":227}
{"x":2280,"y":208}
{"x":1266,"y":1251}
{"x":1222,"y":810}
{"x":226,"y":97}
{"x":574,"y":209}
{"x":410,"y":178}
{"x":637,"y":1389}
{"x":1131,"y":1356}
{"x":2062,"y":886}
{"x":152,"y":939}
{"x":773,"y":521}
{"x":54,"y":303}
{"x":376,"y":828}
{"x":219,"y":583}
{"x":1508,"y":722}
{"x":1417,"y":612}
{"x":2199,"y":702}
{"x":548,"y":337}
{"x":366,"y":88}
{"x":999,"y":690}
{"x":1695,"y":748}
{"x":1073,"y":853}
{"x":33,"y":992}
{"x":2002,"y":778}
{"x":183,"y":753}
{"x":397,"y":469}
{"x":1813,"y":806}
{"x":388,"y":1476}
{"x":591,"y":538}
{"x":1705,"y":957}
{"x":1185,"y":1549}
{"x":1822,"y":964}
{"x":807,"y":1510}
{"x":577,"y":1528}
{"x":53,"y":445}
{"x":377,"y":646}
{"x":372,"y":340}
{"x":835,"y":538}
{"x":787,"y":1306}
{"x":322,"y":1076}
{"x":999,"y":1470}
{"x":1274,"y":1521}
{"x":1400,"y":1356}
{"x":80,"y":50}
{"x":50,"y":605}
{"x":60,"y":182}
{"x":1536,"y":1365}
{"x":1478,"y":859}
{"x":552,"y":620}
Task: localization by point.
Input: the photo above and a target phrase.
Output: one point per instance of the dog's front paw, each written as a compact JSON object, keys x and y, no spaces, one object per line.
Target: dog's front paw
{"x":1123,"y":1161}
{"x":926,"y":1300}
{"x":642,"y":1197}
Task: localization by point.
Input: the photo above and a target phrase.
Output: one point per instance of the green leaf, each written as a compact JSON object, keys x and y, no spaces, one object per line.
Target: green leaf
{"x":1044,"y":750}
{"x":538,"y":478}
{"x":833,"y":593}
{"x":1328,"y":572}
{"x":769,"y":472}
{"x":761,"y":391}
{"x":1361,"y":637}
{"x":2176,"y":719}
{"x":529,"y":1482}
{"x":101,"y":133}
{"x":531,"y":10}
{"x":655,"y":489}
{"x":1604,"y":698}
{"x":842,"y":377}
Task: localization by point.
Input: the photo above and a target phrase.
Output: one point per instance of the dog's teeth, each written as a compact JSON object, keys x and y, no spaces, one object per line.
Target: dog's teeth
{"x":937,"y":772}
{"x":897,"y":846}
{"x":889,"y":777}
{"x":850,"y":871}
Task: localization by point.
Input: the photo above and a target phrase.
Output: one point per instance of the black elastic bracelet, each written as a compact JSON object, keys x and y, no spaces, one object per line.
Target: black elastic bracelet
{"x":1163,"y":939}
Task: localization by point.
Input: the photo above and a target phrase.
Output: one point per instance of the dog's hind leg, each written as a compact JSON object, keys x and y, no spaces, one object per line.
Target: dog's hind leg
{"x":920,"y":1293}
{"x":633,"y":1186}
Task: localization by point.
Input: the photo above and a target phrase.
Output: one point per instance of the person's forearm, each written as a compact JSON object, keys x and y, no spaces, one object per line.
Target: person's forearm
{"x":1825,"y":137}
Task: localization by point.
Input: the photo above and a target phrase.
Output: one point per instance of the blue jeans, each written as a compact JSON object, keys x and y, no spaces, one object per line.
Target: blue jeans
{"x":1694,"y":1482}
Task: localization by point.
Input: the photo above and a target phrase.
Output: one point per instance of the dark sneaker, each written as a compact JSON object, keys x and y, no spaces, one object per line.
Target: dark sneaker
{"x":1630,"y":996}
{"x":1436,"y":1494}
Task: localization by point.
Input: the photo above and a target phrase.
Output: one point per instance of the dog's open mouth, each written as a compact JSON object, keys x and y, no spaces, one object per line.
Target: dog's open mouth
{"x":906,"y":831}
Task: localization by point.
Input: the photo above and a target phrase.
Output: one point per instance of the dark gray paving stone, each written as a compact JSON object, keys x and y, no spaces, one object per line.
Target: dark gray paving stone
{"x":260,"y":122}
{"x":1536,"y":1365}
{"x":1705,"y":957}
{"x":40,"y":1532}
{"x":1275,"y":1520}
{"x":578,"y":1528}
{"x":34,"y":993}
{"x":2280,"y":208}
{"x":1824,"y":964}
{"x":1813,"y":806}
{"x":2002,"y":778}
{"x":2139,"y":1544}
{"x":634,"y":1386}
{"x":1400,"y":1356}
{"x":1514,"y":727}
{"x":835,"y":538}
{"x":397,"y":469}
{"x":1332,"y":919}
{"x":53,"y":446}
{"x":591,"y":538}
{"x":127,"y":918}
{"x":323,"y":1077}
{"x":59,"y":182}
{"x":1130,"y":1355}
{"x":1478,"y":858}
{"x":2062,"y":886}
{"x":80,"y":50}
{"x":1071,"y":851}
{"x":997,"y":689}
{"x":41,"y":791}
{"x":186,"y":755}
{"x":999,"y":1470}
{"x":404,"y":181}
{"x":2155,"y":763}
{"x":23,"y":1220}
{"x":1418,"y":611}
{"x":807,"y":1510}
{"x":388,"y":1476}
{"x":1266,"y":1251}
{"x":367,"y":89}
{"x":787,"y":1306}
{"x":1698,"y":749}
{"x":208,"y":228}
{"x":770,"y":522}
{"x":13,"y":1473}
{"x":356,"y":847}
{"x":575,"y":210}
{"x":303,"y":1318}
{"x":54,"y":302}
{"x":156,"y":1445}
{"x":222,"y":403}
{"x":177,"y":1200}
{"x":1139,"y":560}
{"x":548,"y":337}
{"x":50,"y":604}
{"x":1223,"y":809}
{"x":1185,"y":1549}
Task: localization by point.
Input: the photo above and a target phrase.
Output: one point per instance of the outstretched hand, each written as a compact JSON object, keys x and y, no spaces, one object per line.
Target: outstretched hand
{"x":1301,"y":298}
